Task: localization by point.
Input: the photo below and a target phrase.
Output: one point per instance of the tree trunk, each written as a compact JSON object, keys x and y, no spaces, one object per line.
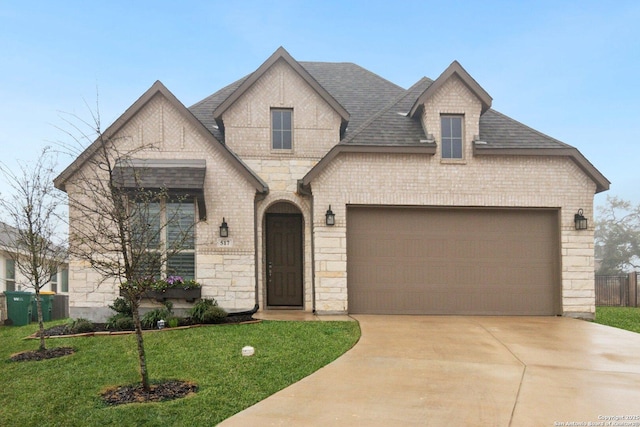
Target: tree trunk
{"x":144,"y":376}
{"x":40,"y":322}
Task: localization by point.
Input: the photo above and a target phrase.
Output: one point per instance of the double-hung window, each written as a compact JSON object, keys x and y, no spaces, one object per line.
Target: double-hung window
{"x":164,"y":233}
{"x":180,"y":235}
{"x":281,"y":129}
{"x":64,"y":279}
{"x":451,"y":127}
{"x":54,"y":281}
{"x":10,"y":274}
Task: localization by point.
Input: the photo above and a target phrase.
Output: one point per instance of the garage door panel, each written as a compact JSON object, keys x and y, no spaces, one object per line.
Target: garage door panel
{"x":452,"y":261}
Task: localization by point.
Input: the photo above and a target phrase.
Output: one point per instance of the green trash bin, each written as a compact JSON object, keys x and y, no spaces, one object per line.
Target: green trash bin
{"x":19,"y":307}
{"x":47,"y":306}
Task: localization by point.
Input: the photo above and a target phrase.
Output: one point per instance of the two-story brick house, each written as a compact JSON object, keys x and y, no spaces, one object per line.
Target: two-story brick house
{"x":343,"y":192}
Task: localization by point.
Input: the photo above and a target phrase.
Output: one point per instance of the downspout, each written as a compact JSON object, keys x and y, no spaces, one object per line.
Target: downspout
{"x":306,"y":191}
{"x":259,"y":197}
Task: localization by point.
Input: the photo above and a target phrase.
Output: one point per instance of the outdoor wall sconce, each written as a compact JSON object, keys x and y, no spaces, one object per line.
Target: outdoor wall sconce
{"x":224,"y":229}
{"x":580,"y":220}
{"x":330,"y":217}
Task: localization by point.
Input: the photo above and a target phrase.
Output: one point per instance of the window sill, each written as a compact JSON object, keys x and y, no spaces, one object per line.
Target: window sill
{"x":453,"y":162}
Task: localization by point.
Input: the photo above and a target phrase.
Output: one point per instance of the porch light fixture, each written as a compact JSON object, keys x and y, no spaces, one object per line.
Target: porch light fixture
{"x":580,"y":220}
{"x":330,"y":217}
{"x":224,"y":229}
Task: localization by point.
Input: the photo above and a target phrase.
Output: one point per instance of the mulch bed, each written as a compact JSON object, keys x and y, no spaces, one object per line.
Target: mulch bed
{"x":49,"y":353}
{"x":101,"y":328}
{"x":167,"y":390}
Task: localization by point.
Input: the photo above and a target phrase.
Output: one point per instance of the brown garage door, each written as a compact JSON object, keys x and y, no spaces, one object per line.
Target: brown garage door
{"x":453,"y":261}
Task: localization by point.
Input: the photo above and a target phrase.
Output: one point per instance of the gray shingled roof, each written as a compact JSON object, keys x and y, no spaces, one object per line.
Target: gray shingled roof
{"x":8,"y":235}
{"x":391,"y":125}
{"x":500,"y":131}
{"x":163,"y":173}
{"x":203,"y":110}
{"x":361,"y":92}
{"x":374,"y":105}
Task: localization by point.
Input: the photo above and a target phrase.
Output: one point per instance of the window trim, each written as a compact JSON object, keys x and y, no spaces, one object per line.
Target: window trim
{"x":273,"y":130}
{"x":451,"y":139}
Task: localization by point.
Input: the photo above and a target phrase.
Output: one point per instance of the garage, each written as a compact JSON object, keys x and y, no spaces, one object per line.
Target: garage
{"x":464,"y":261}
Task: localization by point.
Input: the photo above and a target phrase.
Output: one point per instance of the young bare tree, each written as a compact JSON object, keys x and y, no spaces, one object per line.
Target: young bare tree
{"x":617,"y":236}
{"x":32,"y":224}
{"x":123,"y":227}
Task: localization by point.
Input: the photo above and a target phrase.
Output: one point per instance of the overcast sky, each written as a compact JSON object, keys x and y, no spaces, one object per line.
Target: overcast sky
{"x":566,"y":68}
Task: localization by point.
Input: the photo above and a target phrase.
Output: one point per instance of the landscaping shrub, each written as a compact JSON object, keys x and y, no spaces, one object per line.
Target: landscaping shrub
{"x":81,"y":326}
{"x":199,"y":309}
{"x":112,"y":322}
{"x":214,"y":314}
{"x":173,"y":322}
{"x":122,"y":306}
{"x":124,"y":324}
{"x":150,"y":318}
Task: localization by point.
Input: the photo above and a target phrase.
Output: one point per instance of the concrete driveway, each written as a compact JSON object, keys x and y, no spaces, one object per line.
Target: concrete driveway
{"x":467,"y":371}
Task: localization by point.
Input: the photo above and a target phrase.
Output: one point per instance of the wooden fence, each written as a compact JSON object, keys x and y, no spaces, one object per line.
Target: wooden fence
{"x":617,"y":291}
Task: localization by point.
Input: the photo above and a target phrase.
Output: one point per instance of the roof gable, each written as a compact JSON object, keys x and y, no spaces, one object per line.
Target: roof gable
{"x":281,"y":54}
{"x":454,"y":69}
{"x":158,"y":89}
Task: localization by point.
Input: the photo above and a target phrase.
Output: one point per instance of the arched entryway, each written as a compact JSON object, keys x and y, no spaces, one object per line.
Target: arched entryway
{"x":284,"y":256}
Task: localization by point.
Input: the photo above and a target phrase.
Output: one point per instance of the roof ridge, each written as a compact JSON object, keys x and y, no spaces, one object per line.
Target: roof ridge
{"x":383,"y":110}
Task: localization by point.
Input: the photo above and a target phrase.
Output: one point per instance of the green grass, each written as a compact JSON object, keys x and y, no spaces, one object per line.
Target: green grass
{"x":66,"y":391}
{"x":619,"y":317}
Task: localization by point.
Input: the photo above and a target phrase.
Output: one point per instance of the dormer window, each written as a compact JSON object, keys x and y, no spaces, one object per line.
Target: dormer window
{"x":451,"y":137}
{"x":281,"y":129}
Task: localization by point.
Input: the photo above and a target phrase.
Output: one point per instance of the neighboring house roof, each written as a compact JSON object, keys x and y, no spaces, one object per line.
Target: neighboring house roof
{"x":159,"y":88}
{"x":9,"y":238}
{"x":8,"y":235}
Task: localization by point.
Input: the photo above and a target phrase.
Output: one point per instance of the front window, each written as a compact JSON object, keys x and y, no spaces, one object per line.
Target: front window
{"x":451,"y":137}
{"x":281,"y":129}
{"x":180,"y":235}
{"x":165,"y":229}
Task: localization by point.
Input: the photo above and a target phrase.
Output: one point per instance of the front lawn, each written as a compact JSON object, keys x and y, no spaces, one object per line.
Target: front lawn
{"x":619,"y":317}
{"x":66,"y":391}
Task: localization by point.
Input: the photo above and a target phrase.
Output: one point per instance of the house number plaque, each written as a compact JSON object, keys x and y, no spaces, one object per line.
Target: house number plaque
{"x":225,"y":242}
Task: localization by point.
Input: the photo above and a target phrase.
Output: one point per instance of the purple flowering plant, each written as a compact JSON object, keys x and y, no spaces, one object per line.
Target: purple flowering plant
{"x":174,"y":282}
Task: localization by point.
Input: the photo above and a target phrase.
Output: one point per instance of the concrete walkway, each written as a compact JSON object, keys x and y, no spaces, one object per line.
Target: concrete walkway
{"x":467,"y":371}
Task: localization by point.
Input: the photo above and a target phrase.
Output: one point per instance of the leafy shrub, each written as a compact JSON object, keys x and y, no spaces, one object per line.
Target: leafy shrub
{"x":122,"y":306}
{"x":124,"y":324}
{"x":214,"y":314}
{"x":173,"y":322}
{"x":120,"y":322}
{"x":199,"y":309}
{"x":82,"y":326}
{"x":150,"y":318}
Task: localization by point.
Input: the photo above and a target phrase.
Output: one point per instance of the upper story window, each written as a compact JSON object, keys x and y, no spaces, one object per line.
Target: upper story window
{"x":451,"y":137}
{"x":281,"y":129}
